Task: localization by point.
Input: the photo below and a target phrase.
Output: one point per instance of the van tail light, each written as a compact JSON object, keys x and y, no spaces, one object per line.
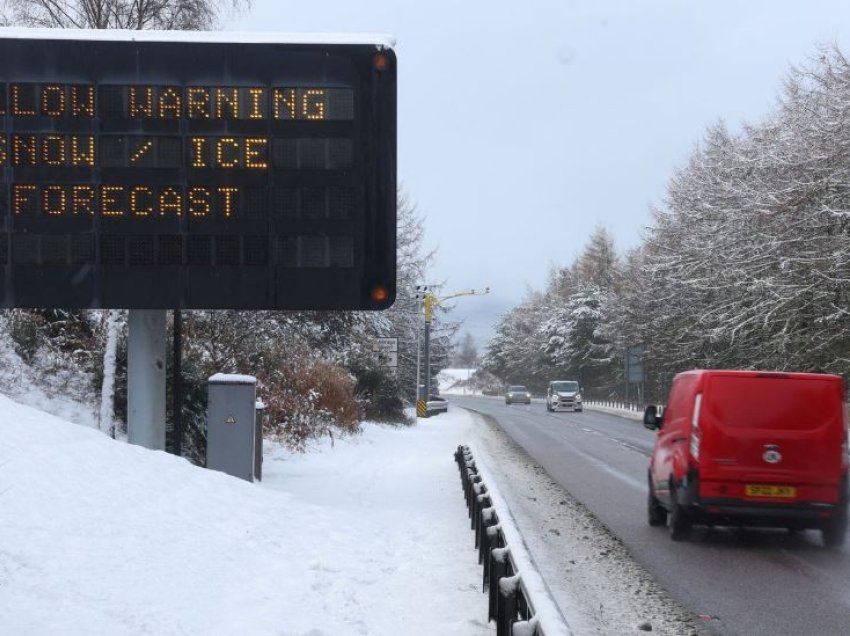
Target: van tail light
{"x":695,"y":433}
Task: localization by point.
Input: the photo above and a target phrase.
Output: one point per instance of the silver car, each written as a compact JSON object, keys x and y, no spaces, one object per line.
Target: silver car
{"x":518,"y":393}
{"x":564,"y":394}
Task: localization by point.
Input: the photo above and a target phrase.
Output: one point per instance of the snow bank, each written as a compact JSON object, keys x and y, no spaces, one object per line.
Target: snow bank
{"x":47,"y":384}
{"x":368,"y":536}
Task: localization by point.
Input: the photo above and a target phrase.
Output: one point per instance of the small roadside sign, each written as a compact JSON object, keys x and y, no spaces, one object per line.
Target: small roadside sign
{"x":386,"y":351}
{"x":634,"y":365}
{"x":386,"y":345}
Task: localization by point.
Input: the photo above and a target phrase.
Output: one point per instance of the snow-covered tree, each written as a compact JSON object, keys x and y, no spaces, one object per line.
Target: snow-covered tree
{"x":515,"y":353}
{"x":466,"y":354}
{"x":574,"y":343}
{"x":746,"y":263}
{"x":598,"y":264}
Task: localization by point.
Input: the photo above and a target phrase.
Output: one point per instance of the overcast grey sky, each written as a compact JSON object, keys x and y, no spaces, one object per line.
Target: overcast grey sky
{"x":523,"y":125}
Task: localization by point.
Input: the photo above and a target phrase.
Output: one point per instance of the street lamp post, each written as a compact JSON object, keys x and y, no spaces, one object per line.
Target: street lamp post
{"x":418,"y":360}
{"x":431,"y":300}
{"x":429,"y":309}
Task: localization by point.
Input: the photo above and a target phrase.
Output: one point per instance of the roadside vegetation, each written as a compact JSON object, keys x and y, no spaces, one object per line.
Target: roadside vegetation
{"x":746,"y":263}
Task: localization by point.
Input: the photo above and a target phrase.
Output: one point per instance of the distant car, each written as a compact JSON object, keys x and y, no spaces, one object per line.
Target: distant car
{"x":437,"y":404}
{"x":518,"y":393}
{"x":564,"y":394}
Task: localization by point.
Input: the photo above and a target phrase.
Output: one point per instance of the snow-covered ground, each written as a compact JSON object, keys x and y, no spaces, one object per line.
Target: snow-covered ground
{"x":58,"y":389}
{"x":453,"y":381}
{"x":366,"y":536}
{"x":369,"y":536}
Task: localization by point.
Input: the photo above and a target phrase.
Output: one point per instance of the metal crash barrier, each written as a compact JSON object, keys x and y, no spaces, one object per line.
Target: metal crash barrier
{"x":510,"y":604}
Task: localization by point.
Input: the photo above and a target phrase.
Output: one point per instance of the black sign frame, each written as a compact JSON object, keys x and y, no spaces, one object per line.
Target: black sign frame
{"x":298,"y":235}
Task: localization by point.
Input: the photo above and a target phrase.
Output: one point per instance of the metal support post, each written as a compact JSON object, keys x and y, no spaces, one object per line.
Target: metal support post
{"x":427,"y":360}
{"x":418,"y":361}
{"x":146,"y":378}
{"x":176,"y":384}
{"x":429,"y":310}
{"x":431,"y":300}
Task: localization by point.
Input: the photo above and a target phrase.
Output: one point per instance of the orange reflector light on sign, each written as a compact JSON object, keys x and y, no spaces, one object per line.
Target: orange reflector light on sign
{"x":381,"y":62}
{"x":379,"y":294}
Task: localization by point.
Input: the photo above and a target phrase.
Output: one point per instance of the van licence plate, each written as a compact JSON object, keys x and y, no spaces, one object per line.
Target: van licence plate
{"x":759,"y":490}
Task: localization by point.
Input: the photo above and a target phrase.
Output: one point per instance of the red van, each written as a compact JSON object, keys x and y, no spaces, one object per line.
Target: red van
{"x":750,"y":448}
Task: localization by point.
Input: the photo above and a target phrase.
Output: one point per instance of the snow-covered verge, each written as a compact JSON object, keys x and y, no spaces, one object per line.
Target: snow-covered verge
{"x":47,"y":383}
{"x":368,"y":536}
{"x":598,"y":586}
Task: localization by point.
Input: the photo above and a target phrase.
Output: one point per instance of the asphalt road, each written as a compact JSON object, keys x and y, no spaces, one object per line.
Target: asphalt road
{"x":749,"y":581}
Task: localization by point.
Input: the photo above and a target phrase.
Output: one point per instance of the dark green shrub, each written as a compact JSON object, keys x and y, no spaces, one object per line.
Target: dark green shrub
{"x":26,"y":333}
{"x":378,"y":391}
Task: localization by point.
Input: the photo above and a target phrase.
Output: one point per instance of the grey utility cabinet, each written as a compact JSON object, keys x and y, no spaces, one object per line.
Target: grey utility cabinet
{"x":231,"y":422}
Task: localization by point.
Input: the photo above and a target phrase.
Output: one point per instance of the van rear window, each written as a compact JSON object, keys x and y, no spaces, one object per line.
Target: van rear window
{"x":772,"y":402}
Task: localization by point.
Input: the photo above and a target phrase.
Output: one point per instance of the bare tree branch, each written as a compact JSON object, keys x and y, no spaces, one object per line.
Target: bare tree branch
{"x":122,"y":14}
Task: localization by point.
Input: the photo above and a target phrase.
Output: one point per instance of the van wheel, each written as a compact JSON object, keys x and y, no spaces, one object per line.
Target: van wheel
{"x":656,"y":514}
{"x":834,"y":531}
{"x":678,"y":521}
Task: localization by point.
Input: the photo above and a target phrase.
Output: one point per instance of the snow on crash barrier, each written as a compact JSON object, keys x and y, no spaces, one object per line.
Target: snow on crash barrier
{"x":630,"y":411}
{"x":519,"y":600}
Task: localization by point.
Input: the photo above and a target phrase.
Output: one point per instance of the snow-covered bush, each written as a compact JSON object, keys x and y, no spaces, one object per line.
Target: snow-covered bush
{"x":308,"y":398}
{"x":47,"y":359}
{"x":24,"y":329}
{"x":486,"y":382}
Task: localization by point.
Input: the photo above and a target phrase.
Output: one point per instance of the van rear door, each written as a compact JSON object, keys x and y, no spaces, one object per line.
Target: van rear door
{"x":780,"y":431}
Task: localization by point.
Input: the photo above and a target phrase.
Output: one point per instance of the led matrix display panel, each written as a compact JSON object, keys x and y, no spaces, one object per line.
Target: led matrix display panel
{"x":165,"y":174}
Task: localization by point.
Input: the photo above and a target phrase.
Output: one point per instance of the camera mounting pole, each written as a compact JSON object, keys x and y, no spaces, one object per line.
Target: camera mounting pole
{"x":431,"y":300}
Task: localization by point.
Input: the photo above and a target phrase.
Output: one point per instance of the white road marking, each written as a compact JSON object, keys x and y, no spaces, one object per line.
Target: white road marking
{"x":637,"y":484}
